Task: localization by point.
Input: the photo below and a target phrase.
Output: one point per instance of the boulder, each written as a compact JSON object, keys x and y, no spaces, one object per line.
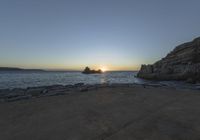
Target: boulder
{"x":183,"y":63}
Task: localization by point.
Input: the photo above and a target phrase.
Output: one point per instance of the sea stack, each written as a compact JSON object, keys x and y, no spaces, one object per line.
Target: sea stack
{"x":89,"y":71}
{"x":183,"y":63}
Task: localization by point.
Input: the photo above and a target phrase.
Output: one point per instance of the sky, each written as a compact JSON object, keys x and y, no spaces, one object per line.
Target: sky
{"x":108,"y":34}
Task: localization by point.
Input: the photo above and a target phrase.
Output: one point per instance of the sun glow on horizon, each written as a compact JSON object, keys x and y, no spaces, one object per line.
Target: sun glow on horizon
{"x":104,"y":69}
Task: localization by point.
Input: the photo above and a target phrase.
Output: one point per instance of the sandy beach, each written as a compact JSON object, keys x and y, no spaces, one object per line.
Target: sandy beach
{"x":105,"y":113}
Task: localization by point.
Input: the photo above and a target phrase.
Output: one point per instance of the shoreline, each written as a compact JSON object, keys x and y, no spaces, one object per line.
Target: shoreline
{"x":104,"y":112}
{"x":16,"y":94}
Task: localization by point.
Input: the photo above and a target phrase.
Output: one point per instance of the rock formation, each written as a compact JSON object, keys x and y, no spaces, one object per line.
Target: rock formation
{"x":183,"y":63}
{"x":89,"y":71}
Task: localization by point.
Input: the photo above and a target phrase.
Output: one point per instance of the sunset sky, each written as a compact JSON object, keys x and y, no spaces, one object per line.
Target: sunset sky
{"x":109,"y":34}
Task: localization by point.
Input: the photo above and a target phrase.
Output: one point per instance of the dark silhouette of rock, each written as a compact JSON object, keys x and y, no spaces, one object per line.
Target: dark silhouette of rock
{"x":89,"y":71}
{"x":183,"y":63}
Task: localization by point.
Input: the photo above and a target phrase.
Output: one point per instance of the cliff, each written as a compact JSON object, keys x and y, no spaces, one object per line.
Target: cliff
{"x":183,"y":63}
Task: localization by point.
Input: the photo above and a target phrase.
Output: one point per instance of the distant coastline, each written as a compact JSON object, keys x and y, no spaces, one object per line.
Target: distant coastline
{"x":19,"y":69}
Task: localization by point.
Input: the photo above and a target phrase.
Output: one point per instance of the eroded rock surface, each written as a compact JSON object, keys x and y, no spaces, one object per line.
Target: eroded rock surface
{"x":183,"y":63}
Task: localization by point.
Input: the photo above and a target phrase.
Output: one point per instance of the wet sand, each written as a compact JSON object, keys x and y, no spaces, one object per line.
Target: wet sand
{"x":107,"y":113}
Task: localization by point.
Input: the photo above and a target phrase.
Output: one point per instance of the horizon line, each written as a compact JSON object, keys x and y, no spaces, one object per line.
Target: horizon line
{"x":61,"y":70}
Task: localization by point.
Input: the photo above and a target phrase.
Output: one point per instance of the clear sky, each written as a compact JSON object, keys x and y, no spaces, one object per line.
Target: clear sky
{"x":114,"y":34}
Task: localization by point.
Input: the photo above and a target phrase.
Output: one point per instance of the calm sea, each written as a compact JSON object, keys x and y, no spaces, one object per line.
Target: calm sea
{"x":32,"y":79}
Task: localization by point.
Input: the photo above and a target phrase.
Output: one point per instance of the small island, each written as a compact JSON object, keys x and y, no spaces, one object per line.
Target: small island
{"x":87,"y":70}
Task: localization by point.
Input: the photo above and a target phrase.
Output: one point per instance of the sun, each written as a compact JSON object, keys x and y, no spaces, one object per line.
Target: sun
{"x":104,"y":69}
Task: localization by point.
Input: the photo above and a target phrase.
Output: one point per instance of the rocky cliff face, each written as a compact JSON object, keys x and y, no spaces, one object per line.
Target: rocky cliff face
{"x":183,"y":63}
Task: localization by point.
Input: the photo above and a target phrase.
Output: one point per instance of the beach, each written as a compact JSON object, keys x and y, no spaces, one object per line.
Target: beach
{"x":101,"y":112}
{"x":99,"y":70}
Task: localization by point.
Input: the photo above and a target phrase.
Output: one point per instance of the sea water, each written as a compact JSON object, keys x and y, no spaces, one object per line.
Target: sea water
{"x":24,"y":79}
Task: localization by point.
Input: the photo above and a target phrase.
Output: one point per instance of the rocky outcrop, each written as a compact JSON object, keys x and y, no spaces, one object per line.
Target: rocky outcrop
{"x":17,"y":94}
{"x":183,"y":63}
{"x":87,"y":70}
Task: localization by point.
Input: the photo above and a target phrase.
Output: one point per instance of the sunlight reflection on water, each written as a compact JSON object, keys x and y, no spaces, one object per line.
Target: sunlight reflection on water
{"x":29,"y":79}
{"x":32,"y":79}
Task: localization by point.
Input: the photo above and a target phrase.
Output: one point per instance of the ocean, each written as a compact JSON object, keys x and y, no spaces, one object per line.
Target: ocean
{"x":24,"y":79}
